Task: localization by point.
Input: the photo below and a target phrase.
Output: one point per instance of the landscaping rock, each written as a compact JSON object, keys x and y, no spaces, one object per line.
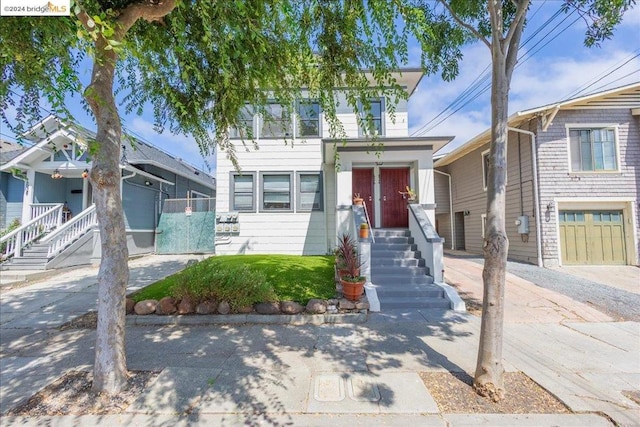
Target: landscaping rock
{"x":267,"y":308}
{"x":332,"y":301}
{"x":186,"y":306}
{"x":166,"y":305}
{"x":129,"y":305}
{"x":316,"y":306}
{"x":245,"y":310}
{"x":224,"y":308}
{"x":207,"y":307}
{"x":345,"y":304}
{"x":291,"y":307}
{"x":363,"y":304}
{"x":145,"y":307}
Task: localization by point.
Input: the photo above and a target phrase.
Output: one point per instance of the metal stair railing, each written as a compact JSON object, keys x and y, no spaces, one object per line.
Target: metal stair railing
{"x":70,"y":231}
{"x":13,"y":243}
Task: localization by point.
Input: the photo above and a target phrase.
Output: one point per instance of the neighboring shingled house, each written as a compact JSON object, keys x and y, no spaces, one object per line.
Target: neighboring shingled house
{"x":573,"y":183}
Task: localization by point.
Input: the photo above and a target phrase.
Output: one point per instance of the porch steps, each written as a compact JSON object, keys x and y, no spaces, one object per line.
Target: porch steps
{"x":33,"y":258}
{"x":399,"y":274}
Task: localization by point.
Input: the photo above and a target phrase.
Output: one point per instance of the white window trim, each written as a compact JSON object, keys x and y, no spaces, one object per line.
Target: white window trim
{"x":616,"y":136}
{"x":483,"y":221}
{"x":254,"y":128}
{"x":261,"y":121}
{"x":206,"y":196}
{"x":296,"y":117}
{"x":383,"y":115}
{"x":485,"y":174}
{"x":292,"y":200}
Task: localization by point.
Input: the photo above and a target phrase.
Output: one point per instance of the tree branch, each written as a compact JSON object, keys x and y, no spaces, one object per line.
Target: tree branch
{"x":465,"y":25}
{"x":514,"y":45}
{"x":521,"y":11}
{"x":148,"y":10}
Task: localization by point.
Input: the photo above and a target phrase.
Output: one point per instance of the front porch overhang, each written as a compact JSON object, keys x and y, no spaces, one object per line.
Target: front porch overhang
{"x":331,"y":147}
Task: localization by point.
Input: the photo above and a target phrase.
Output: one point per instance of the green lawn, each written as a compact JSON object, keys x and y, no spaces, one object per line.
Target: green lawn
{"x":294,"y":278}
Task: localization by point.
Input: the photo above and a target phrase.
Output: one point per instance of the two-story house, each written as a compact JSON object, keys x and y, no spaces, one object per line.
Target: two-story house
{"x":289,"y":195}
{"x":295,"y":194}
{"x":573,"y":181}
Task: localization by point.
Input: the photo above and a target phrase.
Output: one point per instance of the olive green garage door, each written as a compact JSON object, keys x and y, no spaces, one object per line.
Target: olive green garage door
{"x":592,"y":237}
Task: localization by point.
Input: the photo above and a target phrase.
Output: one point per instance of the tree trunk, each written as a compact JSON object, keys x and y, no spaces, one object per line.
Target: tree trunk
{"x":110,"y":367}
{"x":489,"y":369}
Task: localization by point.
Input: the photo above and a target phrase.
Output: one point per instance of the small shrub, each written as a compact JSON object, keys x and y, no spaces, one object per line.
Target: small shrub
{"x":12,"y":226}
{"x":239,"y":285}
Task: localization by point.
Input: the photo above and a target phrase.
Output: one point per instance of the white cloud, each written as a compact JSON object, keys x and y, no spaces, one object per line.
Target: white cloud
{"x":547,"y":77}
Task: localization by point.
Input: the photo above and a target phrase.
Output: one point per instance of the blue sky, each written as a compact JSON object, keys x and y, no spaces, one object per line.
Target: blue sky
{"x":554,"y":65}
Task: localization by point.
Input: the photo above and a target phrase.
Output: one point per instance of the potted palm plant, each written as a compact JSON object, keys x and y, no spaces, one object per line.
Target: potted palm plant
{"x":349,"y":268}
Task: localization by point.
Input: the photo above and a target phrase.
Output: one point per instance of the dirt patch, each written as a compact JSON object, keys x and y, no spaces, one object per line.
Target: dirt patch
{"x":474,"y":305}
{"x":453,"y":392}
{"x":86,"y":321}
{"x":71,"y":394}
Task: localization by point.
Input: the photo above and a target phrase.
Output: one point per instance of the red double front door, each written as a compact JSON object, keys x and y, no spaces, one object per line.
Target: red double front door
{"x":393,"y":207}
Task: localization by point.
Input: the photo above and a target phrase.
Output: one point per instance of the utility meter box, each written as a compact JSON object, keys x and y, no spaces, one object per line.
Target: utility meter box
{"x":523,"y":224}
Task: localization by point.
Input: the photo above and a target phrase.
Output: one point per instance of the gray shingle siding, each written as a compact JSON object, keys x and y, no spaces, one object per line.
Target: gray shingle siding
{"x":556,"y":181}
{"x":469,"y":195}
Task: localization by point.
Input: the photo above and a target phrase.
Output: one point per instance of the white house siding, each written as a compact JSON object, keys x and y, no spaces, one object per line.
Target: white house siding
{"x":469,"y":196}
{"x":302,"y":233}
{"x":597,"y":190}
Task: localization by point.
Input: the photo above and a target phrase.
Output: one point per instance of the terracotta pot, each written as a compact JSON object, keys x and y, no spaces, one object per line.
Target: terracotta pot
{"x":364,"y":233}
{"x":352,"y":290}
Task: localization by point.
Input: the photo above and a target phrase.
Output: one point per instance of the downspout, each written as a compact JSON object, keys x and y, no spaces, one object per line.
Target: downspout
{"x":536,"y":195}
{"x":450,"y":209}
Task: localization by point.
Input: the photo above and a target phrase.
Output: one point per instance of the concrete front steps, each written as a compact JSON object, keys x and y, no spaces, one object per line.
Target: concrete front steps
{"x":399,"y":274}
{"x":33,"y":258}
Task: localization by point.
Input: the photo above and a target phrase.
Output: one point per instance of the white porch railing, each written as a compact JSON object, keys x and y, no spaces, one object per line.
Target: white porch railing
{"x":38,"y":209}
{"x":70,"y":231}
{"x":13,"y":243}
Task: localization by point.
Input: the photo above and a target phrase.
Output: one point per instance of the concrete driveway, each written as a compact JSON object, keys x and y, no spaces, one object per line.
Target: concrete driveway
{"x":625,"y":277}
{"x":525,"y":302}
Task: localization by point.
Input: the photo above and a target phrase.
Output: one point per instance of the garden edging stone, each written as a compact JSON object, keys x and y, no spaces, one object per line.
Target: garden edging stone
{"x":219,"y":319}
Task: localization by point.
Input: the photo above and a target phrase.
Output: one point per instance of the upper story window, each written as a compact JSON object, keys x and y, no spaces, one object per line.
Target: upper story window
{"x":309,"y":118}
{"x":276,"y":121}
{"x":245,"y":130}
{"x":243,"y":192}
{"x":593,"y":149}
{"x":372,"y":116}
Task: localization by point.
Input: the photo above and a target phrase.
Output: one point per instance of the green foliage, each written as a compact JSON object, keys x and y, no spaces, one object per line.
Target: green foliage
{"x":15,"y":223}
{"x":239,"y":285}
{"x":201,"y":63}
{"x":244,"y":279}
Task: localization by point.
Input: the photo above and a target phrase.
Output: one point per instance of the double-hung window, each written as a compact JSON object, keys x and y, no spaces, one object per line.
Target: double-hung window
{"x":593,"y":149}
{"x":276,"y":191}
{"x":276,"y":121}
{"x":309,"y":197}
{"x":243,"y":192}
{"x":245,"y":124}
{"x":308,"y":118}
{"x":372,"y":117}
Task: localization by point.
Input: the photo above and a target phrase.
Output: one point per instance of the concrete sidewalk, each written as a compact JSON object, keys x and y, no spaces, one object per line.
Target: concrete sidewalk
{"x":338,"y":375}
